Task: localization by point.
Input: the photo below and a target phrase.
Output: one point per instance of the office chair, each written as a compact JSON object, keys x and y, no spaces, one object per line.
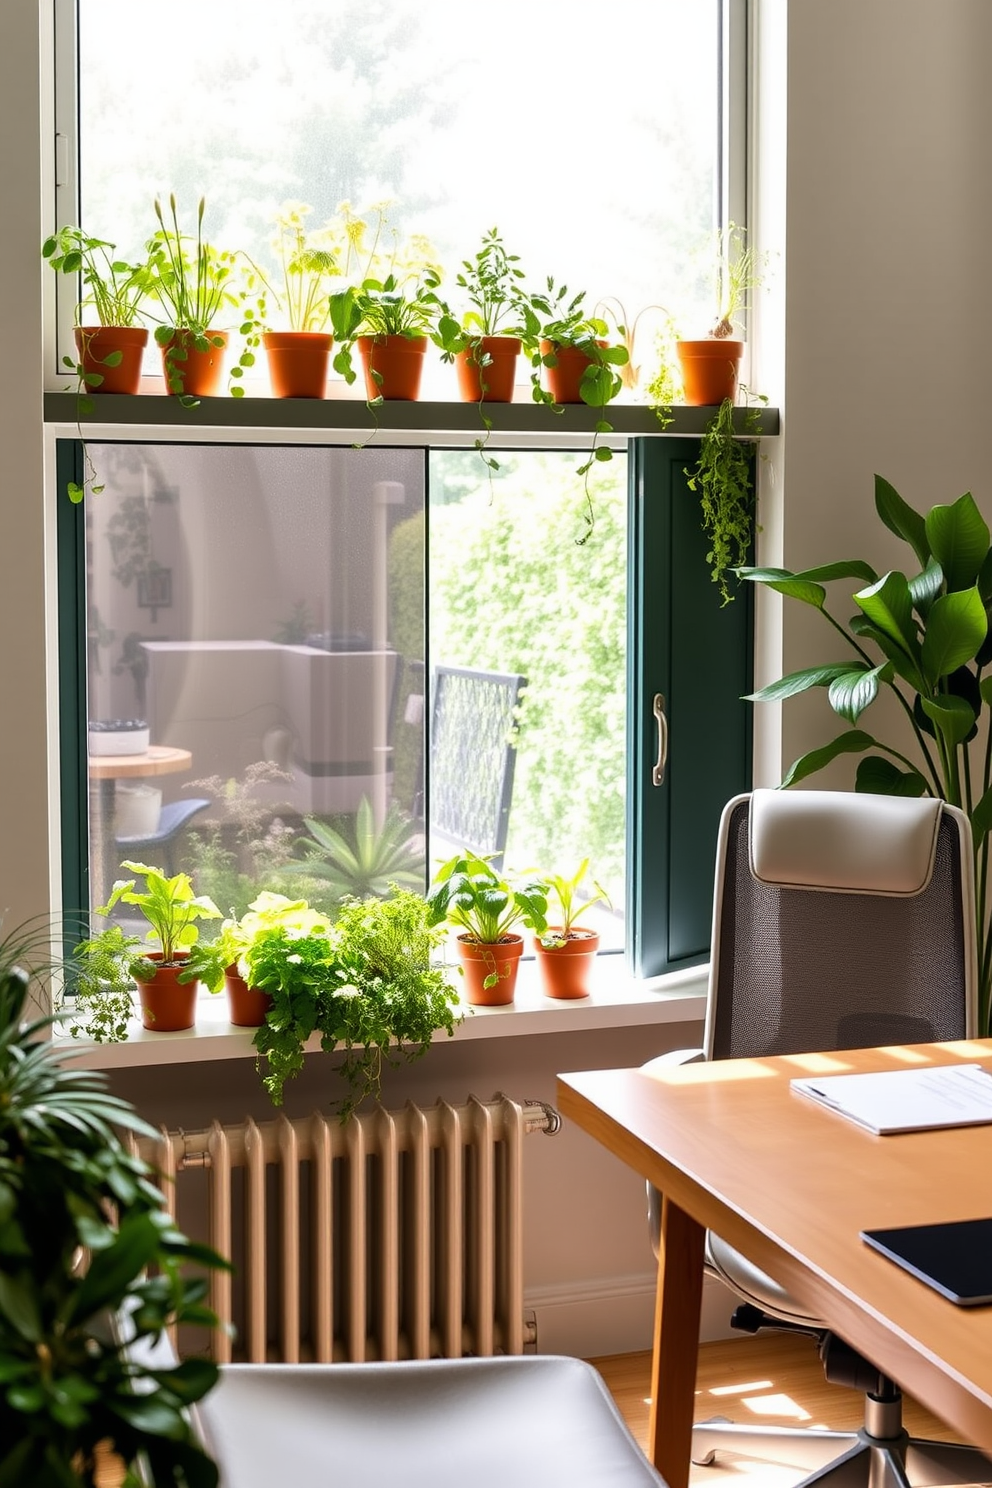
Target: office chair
{"x":840,"y":921}
{"x":430,"y":1423}
{"x":173,"y":819}
{"x":473,"y":757}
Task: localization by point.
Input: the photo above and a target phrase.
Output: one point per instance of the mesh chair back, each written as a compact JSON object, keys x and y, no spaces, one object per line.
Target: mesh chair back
{"x":798,"y":970}
{"x":472,"y":756}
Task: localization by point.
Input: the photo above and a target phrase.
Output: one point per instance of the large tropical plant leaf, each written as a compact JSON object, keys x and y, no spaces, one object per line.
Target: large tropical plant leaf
{"x":901,"y":519}
{"x":959,"y":540}
{"x":956,"y":627}
{"x":855,"y":741}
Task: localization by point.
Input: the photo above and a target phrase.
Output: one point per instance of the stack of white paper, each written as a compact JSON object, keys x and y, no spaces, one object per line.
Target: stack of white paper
{"x":907,"y":1100}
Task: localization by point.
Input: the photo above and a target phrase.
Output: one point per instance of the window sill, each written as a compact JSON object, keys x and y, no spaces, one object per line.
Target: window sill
{"x":617,"y":1001}
{"x":423,"y":421}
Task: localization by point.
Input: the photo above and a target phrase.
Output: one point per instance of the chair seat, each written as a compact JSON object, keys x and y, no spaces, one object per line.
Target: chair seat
{"x":172,"y":818}
{"x":437,"y":1423}
{"x":752,"y":1284}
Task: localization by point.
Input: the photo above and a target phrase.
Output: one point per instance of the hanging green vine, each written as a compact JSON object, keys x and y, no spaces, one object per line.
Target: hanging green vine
{"x":722,"y":480}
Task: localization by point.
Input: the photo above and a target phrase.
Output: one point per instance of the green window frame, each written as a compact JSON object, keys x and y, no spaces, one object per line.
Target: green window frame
{"x":681,"y":644}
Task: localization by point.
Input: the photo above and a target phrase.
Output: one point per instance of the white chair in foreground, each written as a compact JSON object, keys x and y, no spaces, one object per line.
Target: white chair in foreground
{"x":840,"y":921}
{"x":438,"y":1423}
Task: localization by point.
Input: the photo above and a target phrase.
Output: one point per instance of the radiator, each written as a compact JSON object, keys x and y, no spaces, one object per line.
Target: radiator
{"x":397,"y":1234}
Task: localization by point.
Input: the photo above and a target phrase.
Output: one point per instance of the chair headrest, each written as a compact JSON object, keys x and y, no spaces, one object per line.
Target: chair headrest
{"x":843,"y":841}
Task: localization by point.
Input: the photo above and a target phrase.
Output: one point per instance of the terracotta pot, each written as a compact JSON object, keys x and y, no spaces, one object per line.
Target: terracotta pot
{"x":297,"y":362}
{"x":565,"y":376}
{"x":481,"y":961}
{"x":167,"y":1005}
{"x":95,"y":343}
{"x":709,"y":370}
{"x":398,"y":361}
{"x":200,"y":373}
{"x":492,"y":382}
{"x":565,"y":970}
{"x":248,"y":1005}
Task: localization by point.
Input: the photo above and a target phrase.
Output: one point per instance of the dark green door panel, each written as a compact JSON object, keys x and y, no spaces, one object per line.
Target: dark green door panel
{"x":697,"y":655}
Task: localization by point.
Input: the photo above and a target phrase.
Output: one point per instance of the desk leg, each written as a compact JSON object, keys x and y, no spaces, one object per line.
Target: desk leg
{"x":676,"y":1344}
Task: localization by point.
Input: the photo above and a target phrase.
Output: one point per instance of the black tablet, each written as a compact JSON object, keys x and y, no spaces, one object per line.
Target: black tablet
{"x":955,"y":1258}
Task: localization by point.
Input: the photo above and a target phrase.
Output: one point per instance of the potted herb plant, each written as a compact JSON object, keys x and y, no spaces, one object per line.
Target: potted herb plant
{"x":193,"y":281}
{"x":389,"y":320}
{"x":565,"y":952}
{"x":70,"y":1385}
{"x":370,"y":985}
{"x":226,"y":961}
{"x":486,"y":341}
{"x":110,"y":342}
{"x":579,"y":365}
{"x":298,"y":356}
{"x":710,"y":366}
{"x":485,"y":907}
{"x":922,"y":640}
{"x":106,"y":963}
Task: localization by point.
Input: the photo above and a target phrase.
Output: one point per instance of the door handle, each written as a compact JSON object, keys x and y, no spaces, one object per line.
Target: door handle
{"x":658,"y":709}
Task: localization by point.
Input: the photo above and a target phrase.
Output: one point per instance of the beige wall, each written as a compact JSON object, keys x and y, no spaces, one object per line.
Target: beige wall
{"x":888,"y":211}
{"x":872,"y":180}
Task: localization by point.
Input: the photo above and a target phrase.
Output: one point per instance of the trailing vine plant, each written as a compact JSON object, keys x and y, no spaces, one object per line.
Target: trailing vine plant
{"x":721,"y":478}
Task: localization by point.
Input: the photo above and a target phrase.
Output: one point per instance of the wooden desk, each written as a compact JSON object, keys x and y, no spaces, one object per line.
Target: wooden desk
{"x":733,"y":1149}
{"x":104,"y":770}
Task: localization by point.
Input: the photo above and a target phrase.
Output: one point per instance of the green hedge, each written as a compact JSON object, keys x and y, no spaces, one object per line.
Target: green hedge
{"x":511,"y":590}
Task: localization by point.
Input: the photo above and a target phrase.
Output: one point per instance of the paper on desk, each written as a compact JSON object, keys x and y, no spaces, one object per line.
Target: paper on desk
{"x":907,"y":1100}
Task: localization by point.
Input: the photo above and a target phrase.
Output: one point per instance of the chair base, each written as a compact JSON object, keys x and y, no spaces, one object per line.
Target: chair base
{"x":845,"y":1459}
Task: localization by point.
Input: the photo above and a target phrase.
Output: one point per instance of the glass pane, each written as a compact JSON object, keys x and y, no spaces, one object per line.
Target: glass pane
{"x":599,"y":170}
{"x":255,"y":667}
{"x":516,"y":601}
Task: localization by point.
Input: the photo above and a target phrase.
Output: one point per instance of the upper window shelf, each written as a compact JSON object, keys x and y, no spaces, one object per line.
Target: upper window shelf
{"x":416,"y":418}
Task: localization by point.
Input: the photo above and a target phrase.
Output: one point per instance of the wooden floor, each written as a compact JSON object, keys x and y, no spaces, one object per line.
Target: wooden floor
{"x":769,"y":1380}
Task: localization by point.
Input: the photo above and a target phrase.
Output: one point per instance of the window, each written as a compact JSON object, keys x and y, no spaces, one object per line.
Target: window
{"x":279,"y":613}
{"x":601,"y":171}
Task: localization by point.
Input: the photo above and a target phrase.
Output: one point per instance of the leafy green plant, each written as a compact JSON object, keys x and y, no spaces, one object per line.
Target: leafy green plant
{"x":237,"y":938}
{"x":98,"y":992}
{"x":722,"y":478}
{"x":116,"y":290}
{"x":498,"y":306}
{"x":375,"y":861}
{"x":114,"y":287}
{"x":193,"y":281}
{"x":483,"y":904}
{"x":387,"y":307}
{"x":368,"y":985}
{"x":566,"y":325}
{"x":924,"y":640}
{"x":168,"y":904}
{"x":565,"y":892}
{"x":68,"y":1186}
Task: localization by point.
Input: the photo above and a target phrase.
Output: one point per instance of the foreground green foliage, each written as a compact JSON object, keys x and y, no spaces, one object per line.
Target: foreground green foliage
{"x":924,"y":640}
{"x":66,"y":1382}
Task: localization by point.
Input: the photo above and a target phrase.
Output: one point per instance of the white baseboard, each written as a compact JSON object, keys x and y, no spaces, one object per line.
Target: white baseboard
{"x":614,"y":1315}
